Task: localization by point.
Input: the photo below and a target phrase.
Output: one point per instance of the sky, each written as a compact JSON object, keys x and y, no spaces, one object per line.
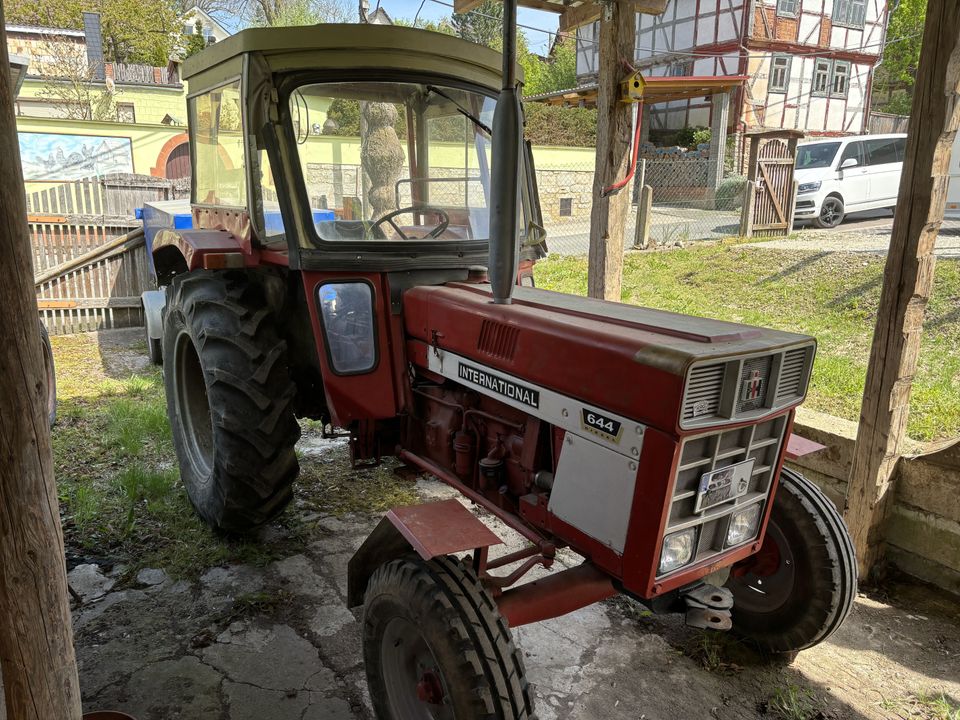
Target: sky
{"x":538,"y":42}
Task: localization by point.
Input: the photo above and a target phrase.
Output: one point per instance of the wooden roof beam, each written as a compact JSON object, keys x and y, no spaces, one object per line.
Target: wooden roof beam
{"x":574,"y":17}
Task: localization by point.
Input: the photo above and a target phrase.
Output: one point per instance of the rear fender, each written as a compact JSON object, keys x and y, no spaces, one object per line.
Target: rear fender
{"x":176,"y":251}
{"x":430,"y":530}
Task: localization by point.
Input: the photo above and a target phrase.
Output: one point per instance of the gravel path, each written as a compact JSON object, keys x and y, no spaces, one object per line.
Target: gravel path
{"x":860,"y":238}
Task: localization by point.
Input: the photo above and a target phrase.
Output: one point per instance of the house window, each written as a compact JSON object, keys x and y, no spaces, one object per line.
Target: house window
{"x":566,"y":207}
{"x":787,"y":8}
{"x":682,"y":68}
{"x":821,"y":77}
{"x":779,"y":73}
{"x":126,"y":113}
{"x":849,"y":13}
{"x":841,"y":79}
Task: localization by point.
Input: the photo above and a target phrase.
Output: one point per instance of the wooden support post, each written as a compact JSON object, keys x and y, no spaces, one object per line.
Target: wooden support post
{"x":608,"y":218}
{"x":641,"y":236}
{"x":718,"y":139}
{"x":37,"y":661}
{"x":750,"y":191}
{"x":908,"y":278}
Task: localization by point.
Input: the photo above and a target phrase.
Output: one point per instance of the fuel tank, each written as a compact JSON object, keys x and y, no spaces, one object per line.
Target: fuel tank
{"x":671,"y":371}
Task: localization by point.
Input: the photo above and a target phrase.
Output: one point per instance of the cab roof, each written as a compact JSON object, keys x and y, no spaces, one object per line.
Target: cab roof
{"x":347,"y":46}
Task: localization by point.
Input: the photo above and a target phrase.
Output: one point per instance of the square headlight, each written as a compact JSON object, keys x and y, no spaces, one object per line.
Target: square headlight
{"x":744,"y":524}
{"x":677,"y":550}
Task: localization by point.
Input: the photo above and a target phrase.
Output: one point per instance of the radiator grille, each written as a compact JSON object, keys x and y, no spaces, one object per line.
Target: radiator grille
{"x":792,"y":374}
{"x":703,"y":391}
{"x":712,"y":451}
{"x":745,"y":388}
{"x":498,"y":340}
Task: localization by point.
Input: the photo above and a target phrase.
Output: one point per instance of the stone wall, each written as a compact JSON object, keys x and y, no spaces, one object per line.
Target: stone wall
{"x":923,"y":531}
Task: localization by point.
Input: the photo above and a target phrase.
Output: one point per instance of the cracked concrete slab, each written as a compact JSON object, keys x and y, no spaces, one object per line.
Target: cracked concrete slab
{"x":270,"y":657}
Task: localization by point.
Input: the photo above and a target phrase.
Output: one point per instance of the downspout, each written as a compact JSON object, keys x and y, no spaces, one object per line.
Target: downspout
{"x":505,"y":168}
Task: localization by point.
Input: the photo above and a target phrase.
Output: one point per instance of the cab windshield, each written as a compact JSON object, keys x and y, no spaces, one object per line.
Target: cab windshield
{"x":394,"y":161}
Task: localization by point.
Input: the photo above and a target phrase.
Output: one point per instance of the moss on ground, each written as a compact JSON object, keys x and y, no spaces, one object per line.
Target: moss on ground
{"x":832,"y":296}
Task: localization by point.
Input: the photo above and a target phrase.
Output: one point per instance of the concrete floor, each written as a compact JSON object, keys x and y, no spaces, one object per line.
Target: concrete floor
{"x":164,"y":650}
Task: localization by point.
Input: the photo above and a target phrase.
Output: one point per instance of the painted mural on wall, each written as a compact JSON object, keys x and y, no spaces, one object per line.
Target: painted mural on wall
{"x":53,"y":156}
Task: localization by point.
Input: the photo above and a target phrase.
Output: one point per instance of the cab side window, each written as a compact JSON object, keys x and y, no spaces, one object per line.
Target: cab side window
{"x":883,"y":152}
{"x":219,"y":175}
{"x":853,"y":150}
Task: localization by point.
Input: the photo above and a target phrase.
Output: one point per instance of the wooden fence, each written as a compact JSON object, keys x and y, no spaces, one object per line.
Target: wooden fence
{"x":884,"y":123}
{"x":89,"y":277}
{"x":89,"y":259}
{"x":108,"y":196}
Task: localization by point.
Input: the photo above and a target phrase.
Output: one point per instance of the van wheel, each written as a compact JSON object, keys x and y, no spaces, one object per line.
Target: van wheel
{"x":831,"y":213}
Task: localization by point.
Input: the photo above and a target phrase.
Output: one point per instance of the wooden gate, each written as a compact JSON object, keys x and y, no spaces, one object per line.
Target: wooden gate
{"x":771,"y":190}
{"x":88,"y":277}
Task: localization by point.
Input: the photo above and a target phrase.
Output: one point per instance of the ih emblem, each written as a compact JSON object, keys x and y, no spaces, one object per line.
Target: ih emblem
{"x":753,"y":386}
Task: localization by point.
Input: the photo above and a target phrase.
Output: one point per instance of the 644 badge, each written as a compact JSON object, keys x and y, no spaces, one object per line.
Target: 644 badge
{"x":599,"y":424}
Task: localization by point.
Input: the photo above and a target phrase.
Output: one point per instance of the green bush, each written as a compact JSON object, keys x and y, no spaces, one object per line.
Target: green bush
{"x":730,"y":193}
{"x":701,"y":136}
{"x":560,"y":126}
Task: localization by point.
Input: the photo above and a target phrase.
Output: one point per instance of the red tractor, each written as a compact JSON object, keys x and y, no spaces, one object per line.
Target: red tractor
{"x":374,"y":283}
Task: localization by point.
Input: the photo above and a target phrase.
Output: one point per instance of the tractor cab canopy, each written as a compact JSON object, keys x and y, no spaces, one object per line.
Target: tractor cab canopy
{"x":352,"y":145}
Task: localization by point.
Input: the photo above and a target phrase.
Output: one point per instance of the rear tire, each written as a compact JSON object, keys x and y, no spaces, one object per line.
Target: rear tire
{"x":831,"y":214}
{"x":435,"y":646}
{"x":49,"y":374}
{"x":802,"y":584}
{"x":229,"y":399}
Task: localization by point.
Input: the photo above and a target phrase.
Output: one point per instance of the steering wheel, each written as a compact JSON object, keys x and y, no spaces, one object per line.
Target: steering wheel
{"x":389,"y":218}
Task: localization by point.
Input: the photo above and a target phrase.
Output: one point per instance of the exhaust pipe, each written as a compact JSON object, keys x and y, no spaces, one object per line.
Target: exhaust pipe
{"x":505,"y":168}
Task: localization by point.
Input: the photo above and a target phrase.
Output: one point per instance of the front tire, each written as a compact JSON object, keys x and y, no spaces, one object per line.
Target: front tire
{"x":831,"y":214}
{"x":801,"y":585}
{"x":435,"y":646}
{"x":229,"y":399}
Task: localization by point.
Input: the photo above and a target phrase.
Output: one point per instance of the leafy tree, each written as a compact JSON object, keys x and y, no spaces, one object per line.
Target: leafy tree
{"x":346,"y":117}
{"x":895,"y":76}
{"x":134,"y":31}
{"x":482,"y":25}
{"x":71,"y":81}
{"x":559,"y":72}
{"x":196,"y":42}
{"x":281,"y":13}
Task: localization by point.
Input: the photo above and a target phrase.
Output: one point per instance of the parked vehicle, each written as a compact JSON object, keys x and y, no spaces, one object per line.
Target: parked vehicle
{"x":652,"y":444}
{"x":844,"y":175}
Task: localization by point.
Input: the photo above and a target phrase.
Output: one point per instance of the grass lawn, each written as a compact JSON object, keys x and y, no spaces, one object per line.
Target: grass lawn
{"x":120,"y":492}
{"x":832,"y":296}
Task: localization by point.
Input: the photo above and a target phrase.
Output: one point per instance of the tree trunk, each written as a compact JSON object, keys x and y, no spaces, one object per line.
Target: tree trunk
{"x":908,"y":278}
{"x":608,"y":218}
{"x":36,"y":639}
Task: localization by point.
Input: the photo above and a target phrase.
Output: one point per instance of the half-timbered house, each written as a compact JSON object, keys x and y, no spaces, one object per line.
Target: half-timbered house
{"x":809,"y":63}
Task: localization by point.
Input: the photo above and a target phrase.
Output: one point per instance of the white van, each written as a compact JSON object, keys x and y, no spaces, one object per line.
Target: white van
{"x":848,"y":174}
{"x":952,"y":211}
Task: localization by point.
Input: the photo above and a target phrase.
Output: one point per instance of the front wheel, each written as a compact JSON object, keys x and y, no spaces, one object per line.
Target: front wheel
{"x":435,"y":646}
{"x":800,"y":587}
{"x":831,"y":213}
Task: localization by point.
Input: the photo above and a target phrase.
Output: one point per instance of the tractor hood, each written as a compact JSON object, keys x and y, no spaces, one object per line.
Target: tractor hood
{"x":631,"y":360}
